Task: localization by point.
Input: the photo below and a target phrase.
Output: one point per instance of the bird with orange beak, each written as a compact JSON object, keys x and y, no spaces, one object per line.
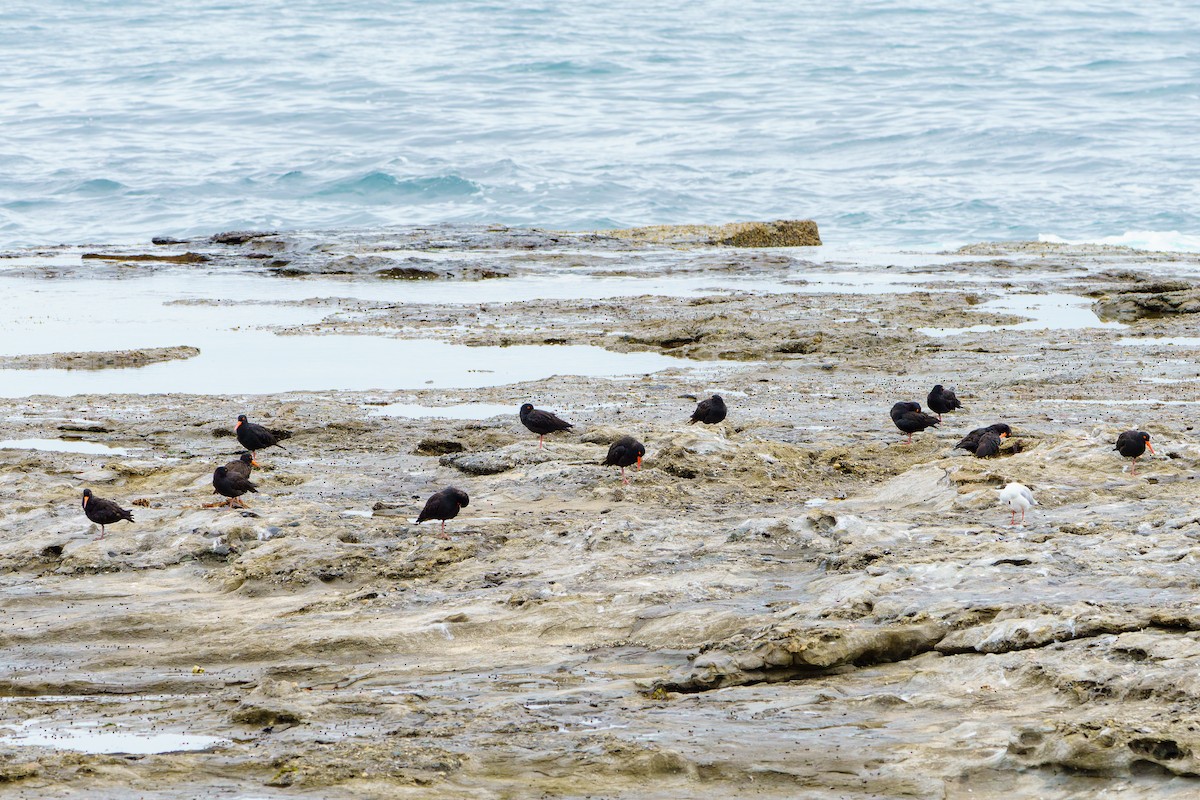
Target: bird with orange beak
{"x":103,"y":512}
{"x":255,"y":437}
{"x":1132,"y":444}
{"x":625,"y":452}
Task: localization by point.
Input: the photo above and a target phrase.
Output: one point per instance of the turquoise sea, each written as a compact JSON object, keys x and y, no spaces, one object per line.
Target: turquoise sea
{"x":893,"y":124}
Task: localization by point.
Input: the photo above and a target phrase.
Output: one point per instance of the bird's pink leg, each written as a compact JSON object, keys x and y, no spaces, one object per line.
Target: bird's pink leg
{"x":101,"y":536}
{"x":1133,"y":469}
{"x":443,"y":533}
{"x":539,"y":442}
{"x":624,"y":480}
{"x":1022,"y":516}
{"x":1014,"y":517}
{"x":909,"y":439}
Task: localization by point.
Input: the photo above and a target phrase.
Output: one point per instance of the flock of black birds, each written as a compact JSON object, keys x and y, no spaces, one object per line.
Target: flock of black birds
{"x":233,"y":479}
{"x":985,"y":442}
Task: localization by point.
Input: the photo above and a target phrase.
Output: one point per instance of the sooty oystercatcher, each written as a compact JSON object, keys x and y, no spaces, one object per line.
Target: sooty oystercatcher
{"x":243,"y":465}
{"x":232,"y":485}
{"x":910,"y":419}
{"x":625,"y":452}
{"x":255,"y":437}
{"x":971,"y":440}
{"x":942,"y":401}
{"x":542,"y":422}
{"x":444,"y":505}
{"x":710,"y":411}
{"x":1132,"y":444}
{"x":103,"y":512}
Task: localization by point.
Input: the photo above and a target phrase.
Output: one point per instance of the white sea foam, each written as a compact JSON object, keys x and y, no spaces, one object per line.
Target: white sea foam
{"x":1158,"y":241}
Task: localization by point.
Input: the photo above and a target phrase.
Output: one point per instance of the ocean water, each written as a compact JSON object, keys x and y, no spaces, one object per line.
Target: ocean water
{"x":892,"y":124}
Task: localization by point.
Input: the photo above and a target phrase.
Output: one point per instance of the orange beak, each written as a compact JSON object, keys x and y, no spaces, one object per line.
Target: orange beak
{"x":1150,"y":447}
{"x":639,"y":462}
{"x":85,"y":501}
{"x":1004,"y":436}
{"x":235,"y":427}
{"x":253,"y":463}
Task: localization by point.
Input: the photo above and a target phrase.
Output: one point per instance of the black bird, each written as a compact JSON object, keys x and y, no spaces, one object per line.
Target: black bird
{"x":542,"y":422}
{"x":444,"y":505}
{"x":710,"y":411}
{"x":910,"y":419}
{"x":942,"y":401}
{"x":242,"y":465}
{"x":989,"y":444}
{"x":1132,"y":444}
{"x":103,"y":512}
{"x":255,"y":437}
{"x":232,"y":485}
{"x":971,"y":440}
{"x":903,"y":407}
{"x":625,"y":452}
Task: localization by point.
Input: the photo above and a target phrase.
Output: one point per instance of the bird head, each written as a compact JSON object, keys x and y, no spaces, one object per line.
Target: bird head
{"x":1146,"y":439}
{"x":525,"y":409}
{"x":241,"y":419}
{"x":87,"y":495}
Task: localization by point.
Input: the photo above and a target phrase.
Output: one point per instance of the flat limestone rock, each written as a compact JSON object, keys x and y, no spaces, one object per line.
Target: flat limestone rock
{"x":780,"y":233}
{"x":100,"y":359}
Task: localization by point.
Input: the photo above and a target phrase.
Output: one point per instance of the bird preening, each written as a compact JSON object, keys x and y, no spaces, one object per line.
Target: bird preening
{"x":984,"y":442}
{"x":444,"y":505}
{"x":710,"y":411}
{"x":103,"y":512}
{"x":232,"y":485}
{"x":1018,"y":498}
{"x":942,"y":401}
{"x":910,"y":419}
{"x":542,"y":422}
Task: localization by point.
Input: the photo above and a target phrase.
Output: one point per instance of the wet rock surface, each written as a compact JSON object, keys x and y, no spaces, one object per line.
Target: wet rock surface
{"x":791,"y":603}
{"x":92,"y":359}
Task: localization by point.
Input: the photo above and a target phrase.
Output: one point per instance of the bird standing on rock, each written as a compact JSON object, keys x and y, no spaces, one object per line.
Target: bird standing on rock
{"x":444,"y":505}
{"x":1017,"y":497}
{"x":542,"y":422}
{"x":232,"y":485}
{"x":910,"y":419}
{"x":1132,"y":444}
{"x":942,"y":401}
{"x":255,"y":437}
{"x":625,"y":452}
{"x":710,"y":411}
{"x":103,"y":512}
